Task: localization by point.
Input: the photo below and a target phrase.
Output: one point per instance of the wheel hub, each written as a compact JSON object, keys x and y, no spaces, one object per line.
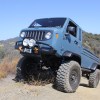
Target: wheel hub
{"x":73,"y":78}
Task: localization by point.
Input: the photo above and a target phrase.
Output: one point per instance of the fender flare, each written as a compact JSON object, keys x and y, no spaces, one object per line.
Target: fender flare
{"x":72,"y":55}
{"x":67,"y":54}
{"x":94,"y":66}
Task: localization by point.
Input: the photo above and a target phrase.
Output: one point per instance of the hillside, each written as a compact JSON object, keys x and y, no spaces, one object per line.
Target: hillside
{"x":91,"y":41}
{"x":9,"y":56}
{"x":7,"y":48}
{"x":9,"y":90}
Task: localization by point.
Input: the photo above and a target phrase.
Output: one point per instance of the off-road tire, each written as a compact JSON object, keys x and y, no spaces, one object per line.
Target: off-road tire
{"x":19,"y":76}
{"x":65,"y":77}
{"x":26,"y":69}
{"x":94,"y":78}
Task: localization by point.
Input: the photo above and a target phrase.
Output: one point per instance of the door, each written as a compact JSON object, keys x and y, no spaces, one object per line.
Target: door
{"x":71,"y":41}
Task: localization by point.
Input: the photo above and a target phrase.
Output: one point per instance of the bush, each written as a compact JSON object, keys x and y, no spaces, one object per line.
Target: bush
{"x":8,"y":66}
{"x":2,"y":54}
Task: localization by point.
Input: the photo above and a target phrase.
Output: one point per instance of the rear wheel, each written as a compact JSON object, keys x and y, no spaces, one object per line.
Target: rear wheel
{"x":68,"y":77}
{"x":94,"y":78}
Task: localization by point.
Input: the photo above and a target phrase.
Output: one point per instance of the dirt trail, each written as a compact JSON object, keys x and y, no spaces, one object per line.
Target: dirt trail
{"x":9,"y":90}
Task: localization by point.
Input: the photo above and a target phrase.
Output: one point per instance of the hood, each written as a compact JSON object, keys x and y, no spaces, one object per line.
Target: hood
{"x":44,"y":28}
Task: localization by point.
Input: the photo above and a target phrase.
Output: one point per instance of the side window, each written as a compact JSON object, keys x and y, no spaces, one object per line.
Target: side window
{"x":72,"y":29}
{"x":80,"y":33}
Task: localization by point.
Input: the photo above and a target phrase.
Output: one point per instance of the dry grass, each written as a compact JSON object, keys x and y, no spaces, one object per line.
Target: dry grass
{"x":8,"y":66}
{"x":40,"y":82}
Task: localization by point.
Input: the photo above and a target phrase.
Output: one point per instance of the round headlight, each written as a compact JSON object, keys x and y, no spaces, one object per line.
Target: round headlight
{"x":22,"y":34}
{"x":32,"y":42}
{"x":48,"y":35}
{"x":25,"y":42}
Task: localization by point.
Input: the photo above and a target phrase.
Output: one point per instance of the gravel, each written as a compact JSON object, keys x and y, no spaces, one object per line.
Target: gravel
{"x":9,"y":90}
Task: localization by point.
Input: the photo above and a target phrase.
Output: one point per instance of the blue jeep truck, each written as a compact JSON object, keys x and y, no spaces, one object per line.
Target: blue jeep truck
{"x":56,"y":43}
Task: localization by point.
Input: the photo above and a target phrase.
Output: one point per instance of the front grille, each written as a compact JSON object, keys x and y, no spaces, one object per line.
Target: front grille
{"x":36,"y":35}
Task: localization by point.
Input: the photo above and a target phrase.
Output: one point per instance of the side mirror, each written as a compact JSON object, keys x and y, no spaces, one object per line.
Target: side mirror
{"x":71,"y":29}
{"x":66,"y":34}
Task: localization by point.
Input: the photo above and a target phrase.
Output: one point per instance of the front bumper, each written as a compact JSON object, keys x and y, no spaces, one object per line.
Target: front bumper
{"x":37,"y":50}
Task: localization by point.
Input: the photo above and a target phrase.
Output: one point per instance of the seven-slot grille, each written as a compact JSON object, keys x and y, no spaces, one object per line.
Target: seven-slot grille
{"x":36,"y":35}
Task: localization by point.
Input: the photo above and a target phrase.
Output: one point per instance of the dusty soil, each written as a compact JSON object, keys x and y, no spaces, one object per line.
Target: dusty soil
{"x":9,"y":90}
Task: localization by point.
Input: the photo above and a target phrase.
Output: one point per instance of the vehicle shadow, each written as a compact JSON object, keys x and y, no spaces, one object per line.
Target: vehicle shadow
{"x":84,"y":85}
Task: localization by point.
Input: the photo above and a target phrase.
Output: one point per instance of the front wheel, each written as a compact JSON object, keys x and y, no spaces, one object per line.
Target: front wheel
{"x":26,"y":69}
{"x":68,"y":77}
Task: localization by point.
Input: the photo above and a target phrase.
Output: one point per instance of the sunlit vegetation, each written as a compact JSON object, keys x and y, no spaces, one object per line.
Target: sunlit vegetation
{"x":9,"y":56}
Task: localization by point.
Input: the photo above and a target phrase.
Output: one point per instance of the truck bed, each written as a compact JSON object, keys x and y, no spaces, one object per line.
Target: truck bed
{"x":89,"y":59}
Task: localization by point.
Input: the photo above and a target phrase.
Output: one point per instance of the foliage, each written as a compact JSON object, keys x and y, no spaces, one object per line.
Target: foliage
{"x":92,"y":42}
{"x":2,"y":53}
{"x":10,"y":56}
{"x":8,"y":66}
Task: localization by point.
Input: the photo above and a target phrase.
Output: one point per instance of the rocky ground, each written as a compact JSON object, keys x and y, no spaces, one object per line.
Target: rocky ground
{"x":9,"y":90}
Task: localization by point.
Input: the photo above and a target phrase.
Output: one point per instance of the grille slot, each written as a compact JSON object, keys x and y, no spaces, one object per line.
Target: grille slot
{"x":36,"y":35}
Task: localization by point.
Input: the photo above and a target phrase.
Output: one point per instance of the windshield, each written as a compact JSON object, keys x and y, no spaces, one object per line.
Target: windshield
{"x":48,"y":22}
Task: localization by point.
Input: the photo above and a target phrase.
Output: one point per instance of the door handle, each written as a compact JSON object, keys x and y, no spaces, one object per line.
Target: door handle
{"x":76,"y":42}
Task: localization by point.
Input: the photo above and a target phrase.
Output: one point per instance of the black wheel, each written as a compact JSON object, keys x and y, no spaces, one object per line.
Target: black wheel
{"x":26,"y":69}
{"x":68,"y":77}
{"x":94,"y":78}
